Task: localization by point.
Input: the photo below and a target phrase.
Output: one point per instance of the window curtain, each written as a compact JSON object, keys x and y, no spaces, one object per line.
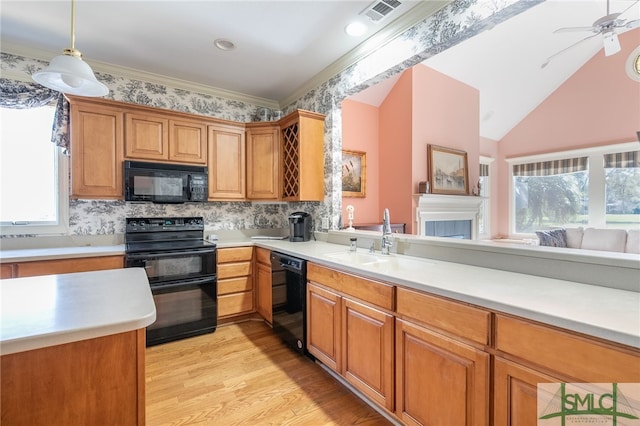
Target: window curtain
{"x":622,"y":160}
{"x":549,"y":168}
{"x":484,"y":170}
{"x":23,"y":95}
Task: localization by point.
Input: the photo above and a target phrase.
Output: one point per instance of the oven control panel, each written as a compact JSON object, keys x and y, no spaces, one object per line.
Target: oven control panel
{"x":141,"y":224}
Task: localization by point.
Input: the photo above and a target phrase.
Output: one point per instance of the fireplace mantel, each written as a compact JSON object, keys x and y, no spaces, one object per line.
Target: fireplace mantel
{"x":440,"y":207}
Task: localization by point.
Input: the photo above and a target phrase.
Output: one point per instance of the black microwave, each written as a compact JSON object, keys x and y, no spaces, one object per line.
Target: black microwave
{"x":165,"y":183}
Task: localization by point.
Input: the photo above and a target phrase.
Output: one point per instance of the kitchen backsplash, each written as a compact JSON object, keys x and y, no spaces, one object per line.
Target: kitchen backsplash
{"x":456,"y":22}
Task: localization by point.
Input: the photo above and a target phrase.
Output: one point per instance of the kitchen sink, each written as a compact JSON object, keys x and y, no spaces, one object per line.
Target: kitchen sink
{"x":358,"y":258}
{"x":379,"y":262}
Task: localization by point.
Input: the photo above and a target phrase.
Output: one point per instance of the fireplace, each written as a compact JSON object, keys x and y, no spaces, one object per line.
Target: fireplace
{"x":451,"y":216}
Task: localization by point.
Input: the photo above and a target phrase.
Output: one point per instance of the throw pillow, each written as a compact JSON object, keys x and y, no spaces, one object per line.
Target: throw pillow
{"x":553,"y":238}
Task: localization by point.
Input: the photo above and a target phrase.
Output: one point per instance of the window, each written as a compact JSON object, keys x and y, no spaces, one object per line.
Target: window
{"x":484,"y":219}
{"x":33,"y":174}
{"x":597,"y":187}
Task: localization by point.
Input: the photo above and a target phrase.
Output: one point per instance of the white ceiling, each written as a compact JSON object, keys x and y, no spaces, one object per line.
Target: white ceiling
{"x":287,"y":47}
{"x":280,"y":45}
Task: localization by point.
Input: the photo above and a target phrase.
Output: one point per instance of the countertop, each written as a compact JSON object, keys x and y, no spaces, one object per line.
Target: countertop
{"x":607,"y":313}
{"x":55,"y":309}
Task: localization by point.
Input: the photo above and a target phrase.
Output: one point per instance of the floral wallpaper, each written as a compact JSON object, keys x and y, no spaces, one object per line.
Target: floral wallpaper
{"x":454,"y":23}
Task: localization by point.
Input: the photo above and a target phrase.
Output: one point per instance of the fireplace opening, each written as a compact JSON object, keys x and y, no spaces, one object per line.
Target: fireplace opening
{"x":461,"y":229}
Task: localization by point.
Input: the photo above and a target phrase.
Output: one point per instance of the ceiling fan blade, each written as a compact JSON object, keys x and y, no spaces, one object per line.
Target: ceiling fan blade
{"x":633,"y":24}
{"x":565,"y":49}
{"x":573,"y":29}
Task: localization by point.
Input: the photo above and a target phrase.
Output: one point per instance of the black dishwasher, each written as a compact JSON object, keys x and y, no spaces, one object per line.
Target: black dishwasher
{"x":289,"y":288}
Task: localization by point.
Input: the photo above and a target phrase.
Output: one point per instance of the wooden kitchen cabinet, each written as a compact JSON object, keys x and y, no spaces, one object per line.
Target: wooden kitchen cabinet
{"x":96,"y":150}
{"x":302,"y":156}
{"x":227,"y":162}
{"x":442,"y":368}
{"x":351,"y":331}
{"x":324,"y":320}
{"x":262,"y":161}
{"x":264,"y":284}
{"x":146,"y":137}
{"x":188,"y":141}
{"x":99,"y":381}
{"x":235,"y":281}
{"x":67,"y":266}
{"x":530,"y":353}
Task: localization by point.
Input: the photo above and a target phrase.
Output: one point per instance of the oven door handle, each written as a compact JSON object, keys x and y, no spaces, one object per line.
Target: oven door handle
{"x":147,"y":255}
{"x":196,"y":281}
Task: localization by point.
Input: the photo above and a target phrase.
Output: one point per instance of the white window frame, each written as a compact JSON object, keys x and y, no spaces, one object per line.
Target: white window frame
{"x":487,"y":201}
{"x":596,"y":217}
{"x":61,"y":226}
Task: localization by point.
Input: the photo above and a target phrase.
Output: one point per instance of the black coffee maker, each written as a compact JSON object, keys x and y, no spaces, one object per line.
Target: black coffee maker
{"x":300,"y":226}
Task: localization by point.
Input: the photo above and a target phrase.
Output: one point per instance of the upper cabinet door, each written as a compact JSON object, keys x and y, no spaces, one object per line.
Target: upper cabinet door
{"x":187,"y":141}
{"x":262,"y":162}
{"x":96,"y":151}
{"x":147,"y":137}
{"x":226,"y":163}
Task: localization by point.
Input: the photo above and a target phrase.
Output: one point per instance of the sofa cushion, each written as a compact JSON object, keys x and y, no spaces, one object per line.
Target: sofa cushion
{"x":553,"y":238}
{"x":633,"y":241}
{"x":574,"y":237}
{"x":604,"y":239}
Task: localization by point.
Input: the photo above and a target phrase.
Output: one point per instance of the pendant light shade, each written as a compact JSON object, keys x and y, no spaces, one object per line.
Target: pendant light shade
{"x":68,"y":73}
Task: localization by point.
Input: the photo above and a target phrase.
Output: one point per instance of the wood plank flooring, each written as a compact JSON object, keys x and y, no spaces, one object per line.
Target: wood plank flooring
{"x":242,"y":374}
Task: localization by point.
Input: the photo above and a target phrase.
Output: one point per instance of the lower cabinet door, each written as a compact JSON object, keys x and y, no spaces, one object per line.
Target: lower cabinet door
{"x":367,"y":349}
{"x":323,"y":326}
{"x":439,"y":381}
{"x":515,"y":393}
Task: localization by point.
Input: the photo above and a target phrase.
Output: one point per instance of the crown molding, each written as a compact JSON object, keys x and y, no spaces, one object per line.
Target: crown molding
{"x":418,"y":14}
{"x":97,"y":66}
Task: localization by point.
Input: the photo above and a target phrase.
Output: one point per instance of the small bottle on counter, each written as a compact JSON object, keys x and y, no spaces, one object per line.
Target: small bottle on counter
{"x":354,"y":244}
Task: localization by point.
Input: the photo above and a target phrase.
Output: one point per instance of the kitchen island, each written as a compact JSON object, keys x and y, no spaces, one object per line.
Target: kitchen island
{"x":73,"y":348}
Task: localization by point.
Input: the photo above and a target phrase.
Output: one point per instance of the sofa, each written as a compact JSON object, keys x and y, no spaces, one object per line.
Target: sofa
{"x":614,"y":240}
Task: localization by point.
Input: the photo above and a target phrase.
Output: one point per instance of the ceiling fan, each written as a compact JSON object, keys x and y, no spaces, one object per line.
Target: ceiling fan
{"x":605,"y":26}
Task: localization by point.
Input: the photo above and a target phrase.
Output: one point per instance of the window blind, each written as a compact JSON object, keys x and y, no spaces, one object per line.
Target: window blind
{"x":553,"y":167}
{"x":622,"y":160}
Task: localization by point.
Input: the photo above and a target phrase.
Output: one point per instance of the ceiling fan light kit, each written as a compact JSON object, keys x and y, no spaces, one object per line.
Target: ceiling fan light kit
{"x":68,"y":73}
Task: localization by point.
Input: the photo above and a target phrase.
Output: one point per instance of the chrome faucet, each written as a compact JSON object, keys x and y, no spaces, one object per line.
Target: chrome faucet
{"x":387,"y":236}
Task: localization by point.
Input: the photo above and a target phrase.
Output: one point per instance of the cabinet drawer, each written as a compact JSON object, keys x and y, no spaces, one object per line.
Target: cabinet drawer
{"x":263,"y":256}
{"x":453,"y":317}
{"x":6,"y":270}
{"x":66,"y":266}
{"x":235,"y":254}
{"x":233,"y":304}
{"x":235,"y":285}
{"x":575,"y":357}
{"x":230,"y":270}
{"x":374,"y":292}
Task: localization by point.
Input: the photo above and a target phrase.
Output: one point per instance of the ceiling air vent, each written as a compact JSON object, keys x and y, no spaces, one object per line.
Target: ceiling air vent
{"x":378,"y":10}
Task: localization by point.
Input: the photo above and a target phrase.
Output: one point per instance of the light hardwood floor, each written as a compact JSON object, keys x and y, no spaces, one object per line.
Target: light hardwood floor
{"x":242,"y":374}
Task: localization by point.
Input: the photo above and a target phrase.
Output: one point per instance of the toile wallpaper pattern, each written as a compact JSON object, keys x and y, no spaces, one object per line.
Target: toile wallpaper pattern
{"x":454,"y":23}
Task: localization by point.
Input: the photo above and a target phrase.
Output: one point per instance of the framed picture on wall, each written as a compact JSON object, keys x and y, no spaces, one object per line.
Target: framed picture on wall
{"x":354,"y":173}
{"x":448,"y":170}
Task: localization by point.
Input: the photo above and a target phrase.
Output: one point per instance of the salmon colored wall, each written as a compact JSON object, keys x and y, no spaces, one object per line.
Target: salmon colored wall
{"x":446,"y":112}
{"x":360,"y":133}
{"x":395,"y":152}
{"x":599,"y":105}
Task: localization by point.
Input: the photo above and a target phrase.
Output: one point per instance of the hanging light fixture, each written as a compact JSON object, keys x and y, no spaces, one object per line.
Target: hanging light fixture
{"x":68,"y":73}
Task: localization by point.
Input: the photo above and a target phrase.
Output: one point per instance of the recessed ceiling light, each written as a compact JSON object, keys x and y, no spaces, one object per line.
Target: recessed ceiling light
{"x":356,"y":29}
{"x":224,"y":44}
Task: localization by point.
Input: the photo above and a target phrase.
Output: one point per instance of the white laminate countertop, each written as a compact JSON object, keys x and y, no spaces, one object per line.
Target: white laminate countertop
{"x":607,"y":313}
{"x":55,"y":309}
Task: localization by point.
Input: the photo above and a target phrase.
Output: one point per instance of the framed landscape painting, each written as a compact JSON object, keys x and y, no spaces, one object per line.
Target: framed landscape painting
{"x":354,"y":173}
{"x":448,"y":170}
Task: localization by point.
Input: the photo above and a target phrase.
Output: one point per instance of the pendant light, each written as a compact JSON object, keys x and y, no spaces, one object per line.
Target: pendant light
{"x":68,"y":73}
